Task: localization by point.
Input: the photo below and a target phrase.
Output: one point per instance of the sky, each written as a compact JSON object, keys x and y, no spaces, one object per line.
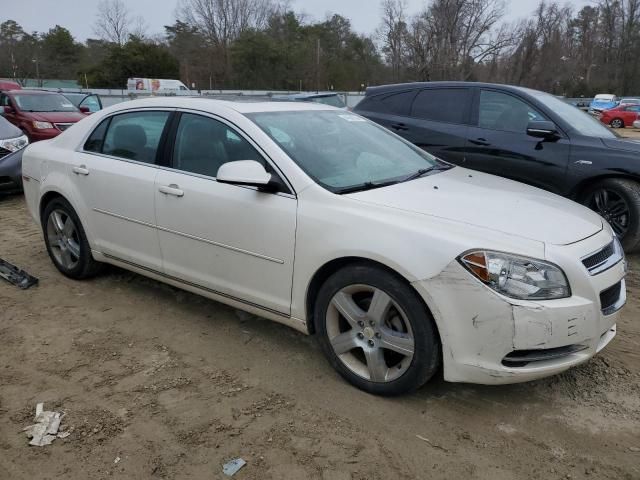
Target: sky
{"x":79,"y":15}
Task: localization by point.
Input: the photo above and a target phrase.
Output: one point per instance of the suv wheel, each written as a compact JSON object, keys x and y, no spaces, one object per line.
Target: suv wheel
{"x":617,"y":200}
{"x":375,"y":331}
{"x":66,"y":241}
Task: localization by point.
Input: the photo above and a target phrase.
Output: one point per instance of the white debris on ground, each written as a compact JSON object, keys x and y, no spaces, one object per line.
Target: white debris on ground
{"x":47,"y":427}
{"x":232,"y":467}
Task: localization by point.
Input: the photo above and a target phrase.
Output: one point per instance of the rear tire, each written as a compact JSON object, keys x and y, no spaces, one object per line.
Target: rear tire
{"x":375,"y":330}
{"x":617,"y":200}
{"x":66,"y":241}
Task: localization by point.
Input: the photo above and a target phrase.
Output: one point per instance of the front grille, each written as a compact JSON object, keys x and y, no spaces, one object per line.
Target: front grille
{"x":599,"y":257}
{"x":609,"y":298}
{"x":62,"y":126}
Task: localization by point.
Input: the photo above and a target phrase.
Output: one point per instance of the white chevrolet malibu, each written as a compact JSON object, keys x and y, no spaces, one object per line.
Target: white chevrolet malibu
{"x":325,"y":222}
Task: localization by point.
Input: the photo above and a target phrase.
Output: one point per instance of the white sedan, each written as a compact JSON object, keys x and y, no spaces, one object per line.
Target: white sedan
{"x":321,"y":220}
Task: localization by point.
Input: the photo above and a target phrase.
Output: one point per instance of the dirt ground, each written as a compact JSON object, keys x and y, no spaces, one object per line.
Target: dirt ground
{"x":159,"y":383}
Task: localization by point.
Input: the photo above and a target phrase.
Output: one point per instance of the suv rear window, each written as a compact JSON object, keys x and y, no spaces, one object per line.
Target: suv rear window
{"x":450,"y":105}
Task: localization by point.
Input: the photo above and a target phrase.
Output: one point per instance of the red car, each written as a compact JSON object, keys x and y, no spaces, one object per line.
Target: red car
{"x":40,"y":115}
{"x":620,"y":117}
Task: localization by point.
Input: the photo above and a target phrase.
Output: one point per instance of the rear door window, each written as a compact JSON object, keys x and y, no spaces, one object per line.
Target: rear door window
{"x":135,"y":135}
{"x":449,"y":105}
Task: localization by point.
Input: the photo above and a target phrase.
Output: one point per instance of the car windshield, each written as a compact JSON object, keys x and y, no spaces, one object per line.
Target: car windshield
{"x":344,"y":152}
{"x":580,"y":121}
{"x":44,"y":103}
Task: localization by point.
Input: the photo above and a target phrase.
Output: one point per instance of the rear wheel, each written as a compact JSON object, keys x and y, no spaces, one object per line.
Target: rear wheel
{"x":66,"y":241}
{"x":375,"y":331}
{"x":617,"y":200}
{"x":617,"y":123}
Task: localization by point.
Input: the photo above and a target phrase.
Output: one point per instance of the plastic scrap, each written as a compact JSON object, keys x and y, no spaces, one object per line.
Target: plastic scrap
{"x":16,"y":276}
{"x":232,"y":467}
{"x":46,"y":429}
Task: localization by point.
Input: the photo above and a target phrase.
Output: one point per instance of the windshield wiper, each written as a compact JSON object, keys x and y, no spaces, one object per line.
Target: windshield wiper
{"x":365,"y":186}
{"x":424,"y":171}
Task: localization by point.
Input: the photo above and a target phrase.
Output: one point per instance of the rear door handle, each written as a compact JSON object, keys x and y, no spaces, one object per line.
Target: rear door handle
{"x":480,"y":141}
{"x":399,"y":126}
{"x":172,"y":189}
{"x":81,"y":170}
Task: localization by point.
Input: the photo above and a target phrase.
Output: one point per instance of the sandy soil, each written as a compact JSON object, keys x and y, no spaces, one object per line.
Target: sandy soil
{"x":630,"y":133}
{"x":175,"y":385}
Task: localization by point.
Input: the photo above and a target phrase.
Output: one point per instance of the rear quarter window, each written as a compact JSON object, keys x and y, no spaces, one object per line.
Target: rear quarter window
{"x":391,"y":103}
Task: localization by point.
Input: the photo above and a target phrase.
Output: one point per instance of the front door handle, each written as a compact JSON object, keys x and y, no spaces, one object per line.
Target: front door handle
{"x":480,"y":141}
{"x":172,"y":189}
{"x":399,"y":126}
{"x":81,"y":170}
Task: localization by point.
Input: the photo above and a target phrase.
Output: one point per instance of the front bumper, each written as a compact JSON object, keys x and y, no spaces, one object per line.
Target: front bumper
{"x":481,"y":331}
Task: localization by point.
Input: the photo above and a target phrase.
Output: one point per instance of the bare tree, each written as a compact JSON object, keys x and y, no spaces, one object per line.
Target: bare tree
{"x":393,"y":34}
{"x":113,"y":21}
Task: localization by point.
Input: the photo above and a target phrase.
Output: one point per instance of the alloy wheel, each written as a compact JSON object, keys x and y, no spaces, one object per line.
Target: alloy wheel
{"x":617,"y":123}
{"x":613,"y":208}
{"x":62,"y":235}
{"x":370,"y":333}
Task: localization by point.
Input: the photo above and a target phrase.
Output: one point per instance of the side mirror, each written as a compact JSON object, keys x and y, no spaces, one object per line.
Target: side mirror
{"x":543,"y":129}
{"x":8,"y":109}
{"x":84,"y":109}
{"x":245,"y":172}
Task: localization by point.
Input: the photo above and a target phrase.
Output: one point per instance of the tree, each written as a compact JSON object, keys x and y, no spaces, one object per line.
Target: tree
{"x":114,"y":22}
{"x":60,"y":54}
{"x":393,"y":33}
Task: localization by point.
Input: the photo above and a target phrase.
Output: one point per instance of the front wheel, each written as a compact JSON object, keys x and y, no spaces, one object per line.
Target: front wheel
{"x":375,"y":331}
{"x":617,"y":200}
{"x":617,"y":123}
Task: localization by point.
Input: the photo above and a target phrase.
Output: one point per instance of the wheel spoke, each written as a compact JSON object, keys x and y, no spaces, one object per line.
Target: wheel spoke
{"x":344,"y":342}
{"x":65,"y":256}
{"x":618,"y":227}
{"x":618,"y":208}
{"x":68,"y":227}
{"x":376,"y":365}
{"x":380,"y":304}
{"x":345,"y":304}
{"x":399,"y":342}
{"x":74,"y":248}
{"x":58,"y":224}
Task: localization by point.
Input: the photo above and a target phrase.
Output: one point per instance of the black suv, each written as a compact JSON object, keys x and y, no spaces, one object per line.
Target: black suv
{"x":521,"y":134}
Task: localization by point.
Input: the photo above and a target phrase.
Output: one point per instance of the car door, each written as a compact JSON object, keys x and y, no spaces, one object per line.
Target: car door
{"x":632,"y":113}
{"x":232,"y":240}
{"x":114,"y":179}
{"x":92,"y":102}
{"x":498,"y":142}
{"x":12,"y":114}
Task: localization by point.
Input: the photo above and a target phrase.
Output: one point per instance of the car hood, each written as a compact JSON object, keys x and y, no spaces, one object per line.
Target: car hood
{"x":626,"y":144}
{"x":488,"y":201}
{"x":603,"y":105}
{"x":8,"y":130}
{"x":56,"y":117}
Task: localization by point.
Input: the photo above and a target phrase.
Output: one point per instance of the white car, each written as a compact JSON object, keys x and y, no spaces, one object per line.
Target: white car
{"x":636,"y":124}
{"x":321,"y":220}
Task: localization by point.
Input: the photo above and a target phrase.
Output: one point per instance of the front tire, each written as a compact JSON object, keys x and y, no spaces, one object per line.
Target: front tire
{"x":375,"y":331}
{"x":617,"y":123}
{"x":617,"y":200}
{"x":66,"y":241}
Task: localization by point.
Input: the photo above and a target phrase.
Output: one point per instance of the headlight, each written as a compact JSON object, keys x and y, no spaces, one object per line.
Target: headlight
{"x":517,"y":277}
{"x":14,"y":144}
{"x":42,"y":125}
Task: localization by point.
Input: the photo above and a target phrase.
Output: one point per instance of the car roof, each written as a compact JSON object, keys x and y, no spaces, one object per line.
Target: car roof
{"x":421,"y":85}
{"x":208,"y":104}
{"x":307,"y":95}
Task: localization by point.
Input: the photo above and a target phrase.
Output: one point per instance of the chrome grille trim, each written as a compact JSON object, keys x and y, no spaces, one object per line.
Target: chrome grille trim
{"x":604,"y":258}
